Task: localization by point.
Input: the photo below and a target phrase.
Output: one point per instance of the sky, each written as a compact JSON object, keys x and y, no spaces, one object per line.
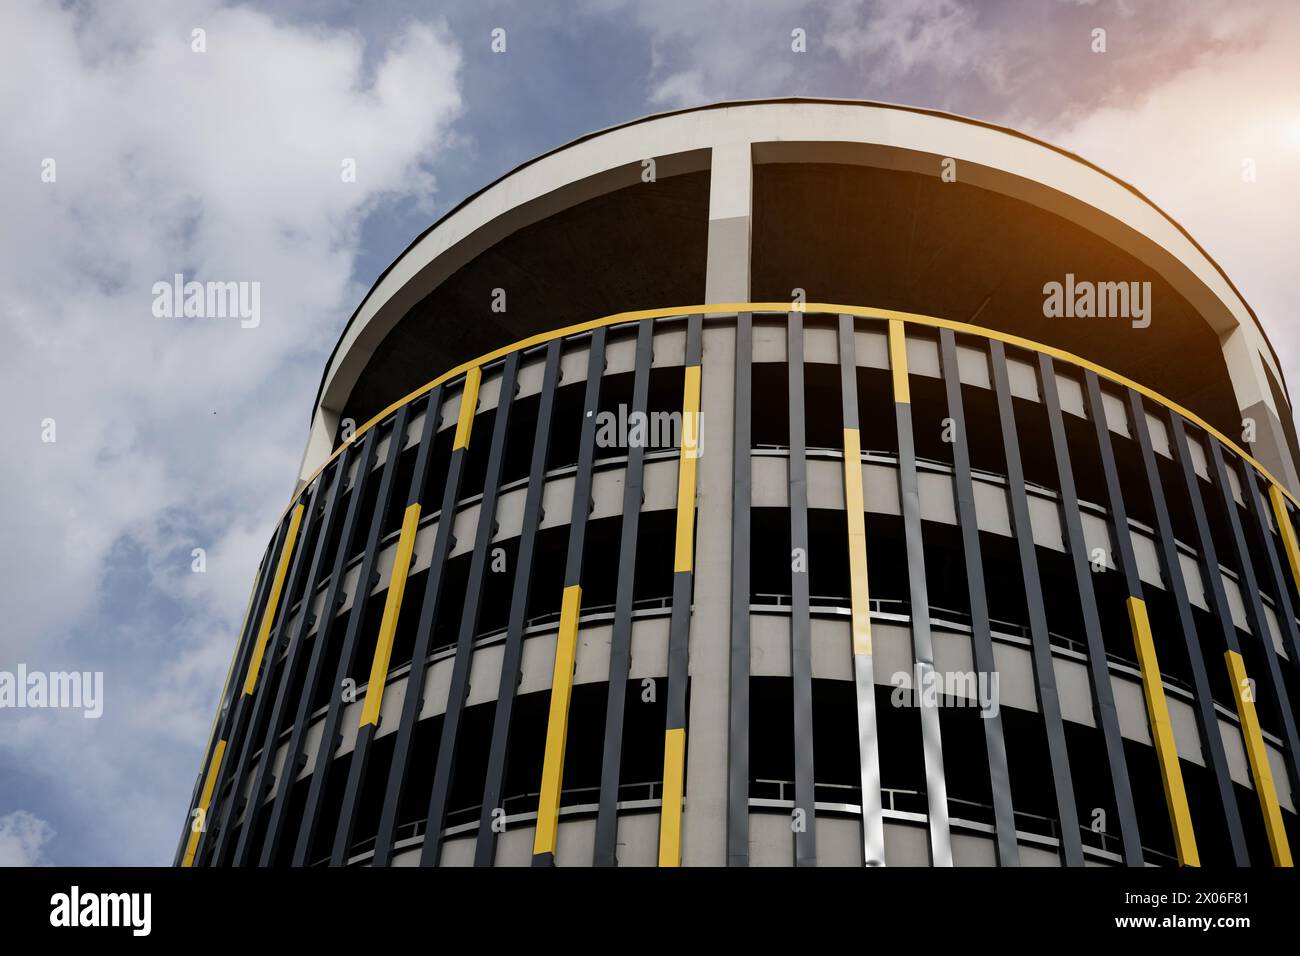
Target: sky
{"x":129,"y":155}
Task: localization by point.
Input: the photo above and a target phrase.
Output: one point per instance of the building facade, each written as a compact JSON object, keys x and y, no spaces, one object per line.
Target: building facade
{"x":780,"y":483}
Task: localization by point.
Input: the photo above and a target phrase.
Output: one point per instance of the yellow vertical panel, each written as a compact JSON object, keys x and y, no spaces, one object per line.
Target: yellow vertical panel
{"x":898,"y":361}
{"x":670,"y":817}
{"x":1287,"y":531}
{"x":230,"y":669}
{"x":205,"y":799}
{"x":468,"y":405}
{"x":684,"y":559}
{"x":1260,"y":770}
{"x":273,"y":601}
{"x":1162,"y":734}
{"x":859,"y":592}
{"x":557,"y":724}
{"x":392,"y":608}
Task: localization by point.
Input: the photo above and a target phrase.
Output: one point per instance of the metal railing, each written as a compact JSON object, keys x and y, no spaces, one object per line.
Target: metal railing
{"x":945,"y":618}
{"x":522,"y":807}
{"x":915,"y":803}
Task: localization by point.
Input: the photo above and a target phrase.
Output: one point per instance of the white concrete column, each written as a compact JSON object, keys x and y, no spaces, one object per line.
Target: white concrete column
{"x":320,"y":442}
{"x":704,"y":831}
{"x":730,"y":197}
{"x":1256,"y":403}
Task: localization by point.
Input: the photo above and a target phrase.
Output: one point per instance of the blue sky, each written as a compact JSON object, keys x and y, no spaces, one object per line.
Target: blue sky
{"x":175,"y":434}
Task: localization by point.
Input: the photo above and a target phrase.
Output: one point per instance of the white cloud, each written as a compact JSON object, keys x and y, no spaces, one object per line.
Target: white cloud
{"x":739,"y":49}
{"x":999,"y":60}
{"x":1183,"y":144}
{"x":23,"y":837}
{"x":699,"y":54}
{"x":171,"y":433}
{"x":895,"y":39}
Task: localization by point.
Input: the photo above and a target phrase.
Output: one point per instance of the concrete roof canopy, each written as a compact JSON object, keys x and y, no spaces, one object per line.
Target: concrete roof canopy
{"x":847,"y":200}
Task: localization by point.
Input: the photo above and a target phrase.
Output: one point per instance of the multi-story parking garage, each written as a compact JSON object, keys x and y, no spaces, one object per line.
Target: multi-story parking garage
{"x":614,"y":545}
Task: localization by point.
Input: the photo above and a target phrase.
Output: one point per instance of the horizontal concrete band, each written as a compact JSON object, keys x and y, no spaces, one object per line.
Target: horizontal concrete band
{"x":728,"y":310}
{"x":769,"y":835}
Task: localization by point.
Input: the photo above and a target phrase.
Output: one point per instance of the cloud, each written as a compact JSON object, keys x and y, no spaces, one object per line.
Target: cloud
{"x":744,"y":50}
{"x":895,"y":39}
{"x":1000,"y":60}
{"x":699,"y":56}
{"x":1185,"y":143}
{"x":171,"y":434}
{"x":23,"y":837}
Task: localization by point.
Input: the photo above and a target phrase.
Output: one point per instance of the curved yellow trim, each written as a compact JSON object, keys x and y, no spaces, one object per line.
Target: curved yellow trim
{"x":730,"y":308}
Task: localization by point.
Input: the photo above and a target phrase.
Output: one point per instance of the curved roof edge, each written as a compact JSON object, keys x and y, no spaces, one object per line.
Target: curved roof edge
{"x":726,"y":104}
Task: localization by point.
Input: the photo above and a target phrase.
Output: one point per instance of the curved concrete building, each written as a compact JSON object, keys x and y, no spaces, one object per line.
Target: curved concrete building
{"x":780,"y":483}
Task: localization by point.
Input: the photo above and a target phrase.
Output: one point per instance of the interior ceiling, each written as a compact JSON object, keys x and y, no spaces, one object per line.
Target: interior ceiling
{"x":855,"y":235}
{"x":639,"y":247}
{"x":906,"y":241}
